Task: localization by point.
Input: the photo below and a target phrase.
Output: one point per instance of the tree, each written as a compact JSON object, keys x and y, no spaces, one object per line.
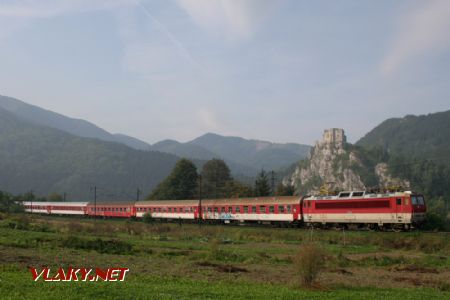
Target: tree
{"x":55,"y":197}
{"x":237,"y":189}
{"x":216,"y":179}
{"x":180,"y":184}
{"x":9,"y":204}
{"x":262,"y":187}
{"x":284,"y":190}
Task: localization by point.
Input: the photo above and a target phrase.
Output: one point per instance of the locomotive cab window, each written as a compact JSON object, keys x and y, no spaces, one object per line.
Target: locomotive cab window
{"x":357,"y":194}
{"x":399,"y":201}
{"x":421,"y":200}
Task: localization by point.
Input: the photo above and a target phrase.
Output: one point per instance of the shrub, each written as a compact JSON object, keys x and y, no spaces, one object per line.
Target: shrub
{"x":147,"y":218}
{"x":309,"y":262}
{"x":99,"y":245}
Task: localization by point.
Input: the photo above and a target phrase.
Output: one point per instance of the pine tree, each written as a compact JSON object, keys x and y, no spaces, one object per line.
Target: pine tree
{"x":216,"y":179}
{"x":262,"y":187}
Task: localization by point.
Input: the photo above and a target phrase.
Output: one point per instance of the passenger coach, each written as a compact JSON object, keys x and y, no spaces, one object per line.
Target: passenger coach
{"x":55,"y":208}
{"x":257,"y":210}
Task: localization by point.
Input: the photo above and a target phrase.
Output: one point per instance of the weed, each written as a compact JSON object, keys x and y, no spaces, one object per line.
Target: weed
{"x":309,"y":262}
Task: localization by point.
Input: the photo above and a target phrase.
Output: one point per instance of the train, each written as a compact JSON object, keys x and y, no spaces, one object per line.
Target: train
{"x":395,"y":210}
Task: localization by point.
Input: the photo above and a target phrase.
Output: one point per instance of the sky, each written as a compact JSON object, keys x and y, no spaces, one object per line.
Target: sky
{"x":281,"y":71}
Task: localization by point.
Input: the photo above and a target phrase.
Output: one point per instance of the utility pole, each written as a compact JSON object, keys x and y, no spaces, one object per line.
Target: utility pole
{"x":138,"y":193}
{"x":200,"y":209}
{"x":95,"y":202}
{"x":272,"y":182}
{"x":64,"y":196}
{"x":31,"y":199}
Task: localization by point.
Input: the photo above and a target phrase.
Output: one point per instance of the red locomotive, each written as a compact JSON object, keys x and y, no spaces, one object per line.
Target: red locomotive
{"x":397,"y":210}
{"x":401,"y":210}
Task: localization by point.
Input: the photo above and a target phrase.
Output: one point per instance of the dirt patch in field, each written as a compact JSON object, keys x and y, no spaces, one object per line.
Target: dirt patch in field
{"x":395,"y":255}
{"x":223,"y":268}
{"x":415,"y":269}
{"x":341,"y":271}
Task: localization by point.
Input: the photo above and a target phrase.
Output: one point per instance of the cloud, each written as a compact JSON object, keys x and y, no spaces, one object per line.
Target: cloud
{"x":424,"y":30}
{"x":235,"y":18}
{"x":208,"y":119}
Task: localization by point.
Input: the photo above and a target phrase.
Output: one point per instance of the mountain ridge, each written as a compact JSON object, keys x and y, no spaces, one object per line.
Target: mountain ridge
{"x":40,"y":116}
{"x":47,"y":160}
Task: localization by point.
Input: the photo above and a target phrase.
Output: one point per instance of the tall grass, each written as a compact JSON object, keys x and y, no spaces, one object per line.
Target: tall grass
{"x":309,"y":262}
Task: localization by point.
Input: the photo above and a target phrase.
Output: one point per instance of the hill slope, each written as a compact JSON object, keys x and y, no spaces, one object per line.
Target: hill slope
{"x":414,"y":137}
{"x":82,"y":128}
{"x":252,"y":153}
{"x":47,"y":160}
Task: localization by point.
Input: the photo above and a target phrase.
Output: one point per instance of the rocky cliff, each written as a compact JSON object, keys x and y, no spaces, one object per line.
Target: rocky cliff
{"x":334,"y":164}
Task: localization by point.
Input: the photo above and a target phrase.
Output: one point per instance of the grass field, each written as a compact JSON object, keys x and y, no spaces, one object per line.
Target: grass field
{"x":188,"y":261}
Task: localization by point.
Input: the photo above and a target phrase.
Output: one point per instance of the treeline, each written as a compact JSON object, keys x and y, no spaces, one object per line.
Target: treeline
{"x":431,"y":179}
{"x":10,"y":203}
{"x":213,"y":181}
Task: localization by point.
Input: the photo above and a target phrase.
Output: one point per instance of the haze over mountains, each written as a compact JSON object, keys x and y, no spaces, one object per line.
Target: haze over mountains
{"x":49,"y":152}
{"x":78,"y":127}
{"x":244,"y":157}
{"x":46,"y":160}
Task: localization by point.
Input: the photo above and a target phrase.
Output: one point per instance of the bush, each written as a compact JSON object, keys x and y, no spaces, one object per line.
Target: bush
{"x":147,"y":218}
{"x":99,"y":245}
{"x":309,"y":262}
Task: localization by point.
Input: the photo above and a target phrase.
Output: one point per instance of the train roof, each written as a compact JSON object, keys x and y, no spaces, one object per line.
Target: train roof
{"x":55,"y":203}
{"x":167,"y":202}
{"x":253,"y":201}
{"x":349,"y":195}
{"x":111,"y":203}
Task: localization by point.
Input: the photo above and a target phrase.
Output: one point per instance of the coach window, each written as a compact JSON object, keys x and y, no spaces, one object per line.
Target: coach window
{"x":281,"y":209}
{"x":246,"y":209}
{"x":209,"y":209}
{"x":254,"y":209}
{"x":288,"y":208}
{"x":216,"y":210}
{"x":262,"y":209}
{"x":238,"y":209}
{"x":230,"y":209}
{"x":399,"y":201}
{"x":222,"y":209}
{"x":271,"y":209}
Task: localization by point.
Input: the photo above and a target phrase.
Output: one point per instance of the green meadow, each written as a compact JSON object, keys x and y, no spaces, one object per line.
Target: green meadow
{"x":169,"y":261}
